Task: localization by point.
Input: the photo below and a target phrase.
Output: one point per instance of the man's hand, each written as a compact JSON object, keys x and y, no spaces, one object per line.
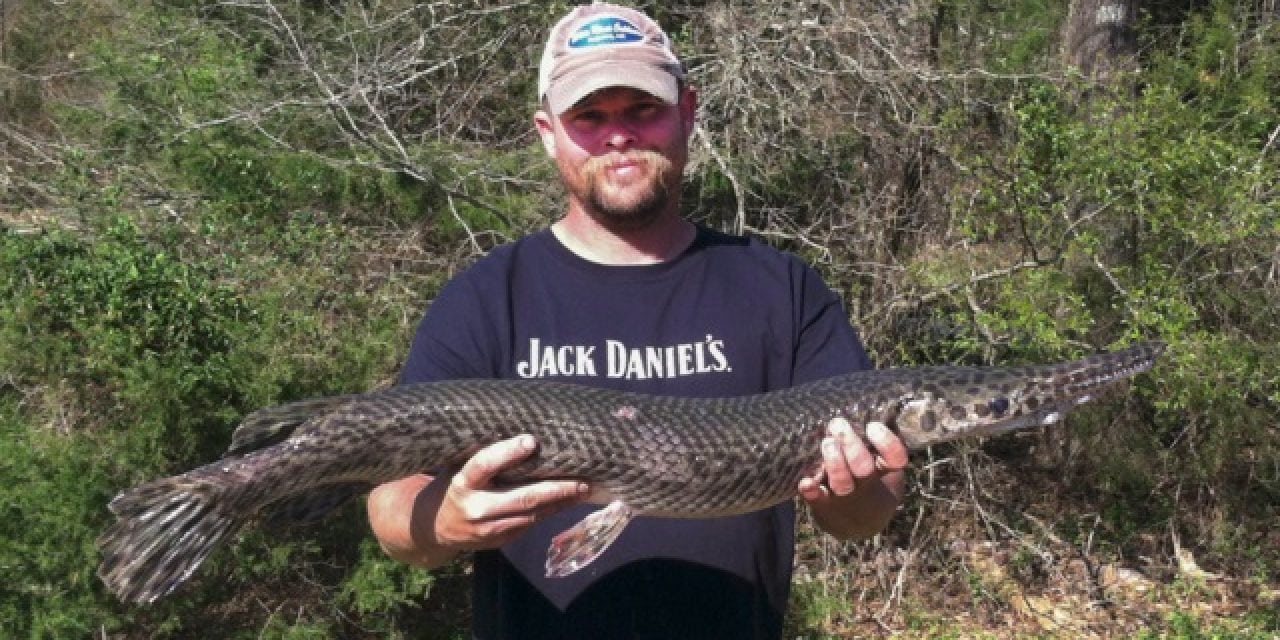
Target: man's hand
{"x":860,"y":484}
{"x":474,"y":514}
{"x":426,"y":522}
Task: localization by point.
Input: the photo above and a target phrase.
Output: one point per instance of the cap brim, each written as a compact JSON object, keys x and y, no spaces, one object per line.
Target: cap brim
{"x":603,"y":74}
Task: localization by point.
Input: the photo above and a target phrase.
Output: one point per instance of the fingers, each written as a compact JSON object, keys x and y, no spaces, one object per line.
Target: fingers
{"x":477,"y":475}
{"x":892,"y":454}
{"x":474,"y":514}
{"x":812,"y":489}
{"x":485,"y":464}
{"x":532,"y":501}
{"x":845,"y":458}
{"x":485,"y":519}
{"x":848,"y":459}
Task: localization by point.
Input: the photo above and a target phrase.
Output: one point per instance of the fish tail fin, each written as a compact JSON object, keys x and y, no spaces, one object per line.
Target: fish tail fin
{"x":165,"y":530}
{"x":268,"y":426}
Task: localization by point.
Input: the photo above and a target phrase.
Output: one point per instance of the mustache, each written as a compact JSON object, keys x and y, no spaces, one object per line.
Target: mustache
{"x":651,"y":160}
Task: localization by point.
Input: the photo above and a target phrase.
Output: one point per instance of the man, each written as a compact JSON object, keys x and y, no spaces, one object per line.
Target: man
{"x":622,"y":292}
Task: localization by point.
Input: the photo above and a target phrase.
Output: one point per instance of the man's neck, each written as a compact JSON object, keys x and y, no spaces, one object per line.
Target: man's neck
{"x":663,"y":239}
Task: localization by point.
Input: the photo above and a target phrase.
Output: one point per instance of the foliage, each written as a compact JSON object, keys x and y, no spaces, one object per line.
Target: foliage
{"x":1150,"y":217}
{"x":51,"y":485}
{"x":122,"y":363}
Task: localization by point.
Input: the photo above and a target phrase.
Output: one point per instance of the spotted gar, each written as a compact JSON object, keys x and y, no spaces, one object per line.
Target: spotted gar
{"x":641,"y":454}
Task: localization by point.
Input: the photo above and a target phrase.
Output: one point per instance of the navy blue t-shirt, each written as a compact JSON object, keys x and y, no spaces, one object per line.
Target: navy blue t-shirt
{"x":730,"y":316}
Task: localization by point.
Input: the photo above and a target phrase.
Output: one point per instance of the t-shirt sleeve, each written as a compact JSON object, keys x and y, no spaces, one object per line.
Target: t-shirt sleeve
{"x":453,"y":341}
{"x":826,"y":344}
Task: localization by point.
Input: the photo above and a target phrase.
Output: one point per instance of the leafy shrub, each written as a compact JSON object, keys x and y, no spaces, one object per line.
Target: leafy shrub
{"x":1134,"y":218}
{"x":139,"y":364}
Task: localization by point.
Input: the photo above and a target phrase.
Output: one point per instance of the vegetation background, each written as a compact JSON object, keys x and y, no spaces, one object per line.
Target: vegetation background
{"x":207,"y":207}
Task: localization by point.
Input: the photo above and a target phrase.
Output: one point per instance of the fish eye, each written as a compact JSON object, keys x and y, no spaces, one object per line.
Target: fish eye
{"x":999,"y":406}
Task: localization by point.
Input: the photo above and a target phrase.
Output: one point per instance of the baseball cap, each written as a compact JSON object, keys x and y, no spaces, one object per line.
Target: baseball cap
{"x":604,"y":45}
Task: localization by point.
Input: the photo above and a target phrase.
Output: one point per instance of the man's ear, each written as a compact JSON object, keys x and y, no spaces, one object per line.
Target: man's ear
{"x":689,"y":110}
{"x":543,"y":121}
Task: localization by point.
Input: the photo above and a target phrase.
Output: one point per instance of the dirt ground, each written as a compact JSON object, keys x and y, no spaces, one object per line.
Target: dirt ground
{"x":1021,"y":558}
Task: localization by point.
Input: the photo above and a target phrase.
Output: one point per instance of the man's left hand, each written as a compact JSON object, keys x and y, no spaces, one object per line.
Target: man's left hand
{"x":860,"y":483}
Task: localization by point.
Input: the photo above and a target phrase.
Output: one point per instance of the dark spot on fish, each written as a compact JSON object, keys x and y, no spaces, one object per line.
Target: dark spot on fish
{"x":981,"y":409}
{"x":1032,"y":402}
{"x":958,"y":412}
{"x":929,"y":421}
{"x":999,"y":406}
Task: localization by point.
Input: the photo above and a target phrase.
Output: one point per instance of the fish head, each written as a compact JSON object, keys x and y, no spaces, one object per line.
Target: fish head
{"x":946,"y":403}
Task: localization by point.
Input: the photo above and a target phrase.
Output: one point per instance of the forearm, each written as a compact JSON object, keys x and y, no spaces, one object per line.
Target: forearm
{"x":864,"y":512}
{"x":401,"y":515}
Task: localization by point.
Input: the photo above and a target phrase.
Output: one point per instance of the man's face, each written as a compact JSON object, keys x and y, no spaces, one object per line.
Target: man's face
{"x":621,"y":153}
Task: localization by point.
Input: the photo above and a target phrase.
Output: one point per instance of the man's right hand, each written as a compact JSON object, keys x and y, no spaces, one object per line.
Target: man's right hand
{"x":426,"y":522}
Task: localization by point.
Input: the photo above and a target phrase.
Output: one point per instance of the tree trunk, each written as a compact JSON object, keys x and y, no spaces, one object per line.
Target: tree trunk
{"x":1099,"y":38}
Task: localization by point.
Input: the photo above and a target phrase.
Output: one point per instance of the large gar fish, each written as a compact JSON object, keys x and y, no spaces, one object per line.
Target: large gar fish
{"x":641,"y":454}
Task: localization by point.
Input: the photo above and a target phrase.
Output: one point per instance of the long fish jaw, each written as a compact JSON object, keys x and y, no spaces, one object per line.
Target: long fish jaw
{"x":968,"y":402}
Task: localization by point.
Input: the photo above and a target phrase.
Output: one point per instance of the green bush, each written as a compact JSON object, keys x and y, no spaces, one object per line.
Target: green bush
{"x":122,"y":363}
{"x":125,"y":352}
{"x":1153,"y":216}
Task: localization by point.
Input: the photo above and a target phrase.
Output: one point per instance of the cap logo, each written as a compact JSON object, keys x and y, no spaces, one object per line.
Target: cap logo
{"x":604,"y":31}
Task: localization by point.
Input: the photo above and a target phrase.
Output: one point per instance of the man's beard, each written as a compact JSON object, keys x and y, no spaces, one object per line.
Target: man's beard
{"x":641,"y":203}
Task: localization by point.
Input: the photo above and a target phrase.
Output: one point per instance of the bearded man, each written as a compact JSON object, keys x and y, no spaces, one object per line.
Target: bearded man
{"x":623,"y":292}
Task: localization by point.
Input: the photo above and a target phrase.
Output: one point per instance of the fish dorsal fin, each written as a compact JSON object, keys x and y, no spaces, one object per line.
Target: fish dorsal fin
{"x":266,"y":427}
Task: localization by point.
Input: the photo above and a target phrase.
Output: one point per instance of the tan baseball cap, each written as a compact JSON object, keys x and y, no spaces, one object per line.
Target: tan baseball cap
{"x":604,"y":45}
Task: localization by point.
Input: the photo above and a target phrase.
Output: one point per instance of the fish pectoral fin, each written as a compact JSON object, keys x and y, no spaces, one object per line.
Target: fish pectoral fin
{"x":575,"y":547}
